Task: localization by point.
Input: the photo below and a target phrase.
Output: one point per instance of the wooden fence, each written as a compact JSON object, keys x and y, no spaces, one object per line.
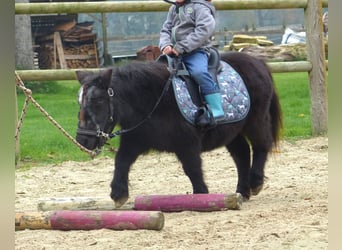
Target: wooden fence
{"x":315,"y":66}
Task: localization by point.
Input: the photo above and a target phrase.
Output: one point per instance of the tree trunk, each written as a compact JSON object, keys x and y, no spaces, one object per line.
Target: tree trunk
{"x":23,"y":41}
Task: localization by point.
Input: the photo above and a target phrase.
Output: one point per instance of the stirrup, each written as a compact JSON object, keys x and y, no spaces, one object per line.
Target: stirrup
{"x":204,"y":118}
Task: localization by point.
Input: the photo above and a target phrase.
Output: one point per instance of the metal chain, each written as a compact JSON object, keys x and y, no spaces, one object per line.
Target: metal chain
{"x":29,"y":97}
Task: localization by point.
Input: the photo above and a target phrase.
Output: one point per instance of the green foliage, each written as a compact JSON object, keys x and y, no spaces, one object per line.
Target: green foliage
{"x":42,"y":87}
{"x":42,"y":143}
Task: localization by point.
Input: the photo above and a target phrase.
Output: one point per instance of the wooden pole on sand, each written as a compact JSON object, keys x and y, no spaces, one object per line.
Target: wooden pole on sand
{"x":89,"y":220}
{"x":190,"y":202}
{"x":165,"y":203}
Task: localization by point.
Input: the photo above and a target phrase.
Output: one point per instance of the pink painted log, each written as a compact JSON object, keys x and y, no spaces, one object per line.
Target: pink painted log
{"x":191,"y":202}
{"x":89,"y":220}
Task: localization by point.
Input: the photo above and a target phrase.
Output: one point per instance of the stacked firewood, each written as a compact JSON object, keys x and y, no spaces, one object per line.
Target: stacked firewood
{"x":264,"y":49}
{"x":87,"y":58}
{"x":241,"y":41}
{"x":73,"y":47}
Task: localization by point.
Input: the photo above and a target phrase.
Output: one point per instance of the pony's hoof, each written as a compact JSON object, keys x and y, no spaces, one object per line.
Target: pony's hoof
{"x":244,"y":198}
{"x":120,"y":202}
{"x":256,"y":190}
{"x":245,"y":192}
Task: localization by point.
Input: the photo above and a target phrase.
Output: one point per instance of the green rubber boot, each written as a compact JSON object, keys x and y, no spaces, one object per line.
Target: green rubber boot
{"x":215,"y":104}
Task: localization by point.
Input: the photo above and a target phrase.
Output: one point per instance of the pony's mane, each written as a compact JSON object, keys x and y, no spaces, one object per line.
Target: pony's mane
{"x":142,"y":73}
{"x":139,"y":85}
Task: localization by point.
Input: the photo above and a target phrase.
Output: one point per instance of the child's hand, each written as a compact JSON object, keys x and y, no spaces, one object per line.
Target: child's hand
{"x":168,"y":50}
{"x":175,"y":52}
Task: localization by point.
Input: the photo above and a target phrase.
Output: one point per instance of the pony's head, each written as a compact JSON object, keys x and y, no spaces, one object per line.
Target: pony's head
{"x":96,"y":115}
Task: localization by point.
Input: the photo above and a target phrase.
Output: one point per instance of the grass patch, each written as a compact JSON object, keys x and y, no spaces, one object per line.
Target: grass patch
{"x":294,"y":96}
{"x":42,"y":143}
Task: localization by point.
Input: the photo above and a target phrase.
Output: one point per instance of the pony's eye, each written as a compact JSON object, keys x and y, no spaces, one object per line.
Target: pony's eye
{"x":97,"y":99}
{"x":99,"y":102}
{"x":96,"y":103}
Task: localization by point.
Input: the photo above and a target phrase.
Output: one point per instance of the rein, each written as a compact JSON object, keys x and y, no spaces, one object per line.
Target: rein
{"x":173,"y":72}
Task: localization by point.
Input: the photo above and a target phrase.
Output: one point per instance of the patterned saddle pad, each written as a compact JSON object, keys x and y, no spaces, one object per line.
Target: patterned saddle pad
{"x":236,"y":101}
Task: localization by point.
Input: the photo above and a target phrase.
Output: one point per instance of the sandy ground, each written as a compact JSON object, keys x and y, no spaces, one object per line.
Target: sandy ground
{"x":290,"y":213}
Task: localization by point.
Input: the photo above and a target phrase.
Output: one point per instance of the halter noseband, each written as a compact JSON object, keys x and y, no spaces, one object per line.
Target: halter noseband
{"x":99,"y":132}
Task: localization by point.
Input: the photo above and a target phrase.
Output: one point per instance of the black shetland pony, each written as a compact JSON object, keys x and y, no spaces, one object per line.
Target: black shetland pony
{"x":133,"y":96}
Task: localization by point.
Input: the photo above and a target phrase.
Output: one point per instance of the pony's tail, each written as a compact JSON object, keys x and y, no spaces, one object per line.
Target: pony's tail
{"x":276,"y":118}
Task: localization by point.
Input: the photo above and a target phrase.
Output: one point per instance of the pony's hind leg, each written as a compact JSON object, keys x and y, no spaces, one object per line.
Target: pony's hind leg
{"x":192,"y":166}
{"x":256,"y":175}
{"x":239,"y":149}
{"x":261,"y":141}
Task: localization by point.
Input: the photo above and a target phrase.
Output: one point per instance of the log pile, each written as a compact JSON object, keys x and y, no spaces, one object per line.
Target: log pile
{"x":278,"y":53}
{"x":282,"y":52}
{"x":69,"y":45}
{"x":264,"y":49}
{"x":241,"y":41}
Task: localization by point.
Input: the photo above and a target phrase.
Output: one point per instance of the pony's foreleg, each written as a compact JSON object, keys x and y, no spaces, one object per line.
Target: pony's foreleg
{"x":240,"y":152}
{"x":119,"y":185}
{"x":192,"y":166}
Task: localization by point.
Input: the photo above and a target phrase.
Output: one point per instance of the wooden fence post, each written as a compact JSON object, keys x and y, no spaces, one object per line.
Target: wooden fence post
{"x":107,"y":58}
{"x":317,"y":75}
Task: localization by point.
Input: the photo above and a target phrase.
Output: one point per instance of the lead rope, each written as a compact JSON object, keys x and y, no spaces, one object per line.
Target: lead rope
{"x":29,"y":97}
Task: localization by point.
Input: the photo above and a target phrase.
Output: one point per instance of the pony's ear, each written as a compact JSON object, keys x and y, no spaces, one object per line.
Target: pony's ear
{"x":106,"y":77}
{"x":81,"y":75}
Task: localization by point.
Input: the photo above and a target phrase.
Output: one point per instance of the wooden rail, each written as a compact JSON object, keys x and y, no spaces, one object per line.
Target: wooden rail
{"x":69,"y":74}
{"x":148,"y":6}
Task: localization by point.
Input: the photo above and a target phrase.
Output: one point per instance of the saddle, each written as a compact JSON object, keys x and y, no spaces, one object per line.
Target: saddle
{"x":214,"y":68}
{"x":236,"y":102}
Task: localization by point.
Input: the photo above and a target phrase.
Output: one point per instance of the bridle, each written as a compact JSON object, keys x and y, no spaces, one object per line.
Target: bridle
{"x":100,"y":133}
